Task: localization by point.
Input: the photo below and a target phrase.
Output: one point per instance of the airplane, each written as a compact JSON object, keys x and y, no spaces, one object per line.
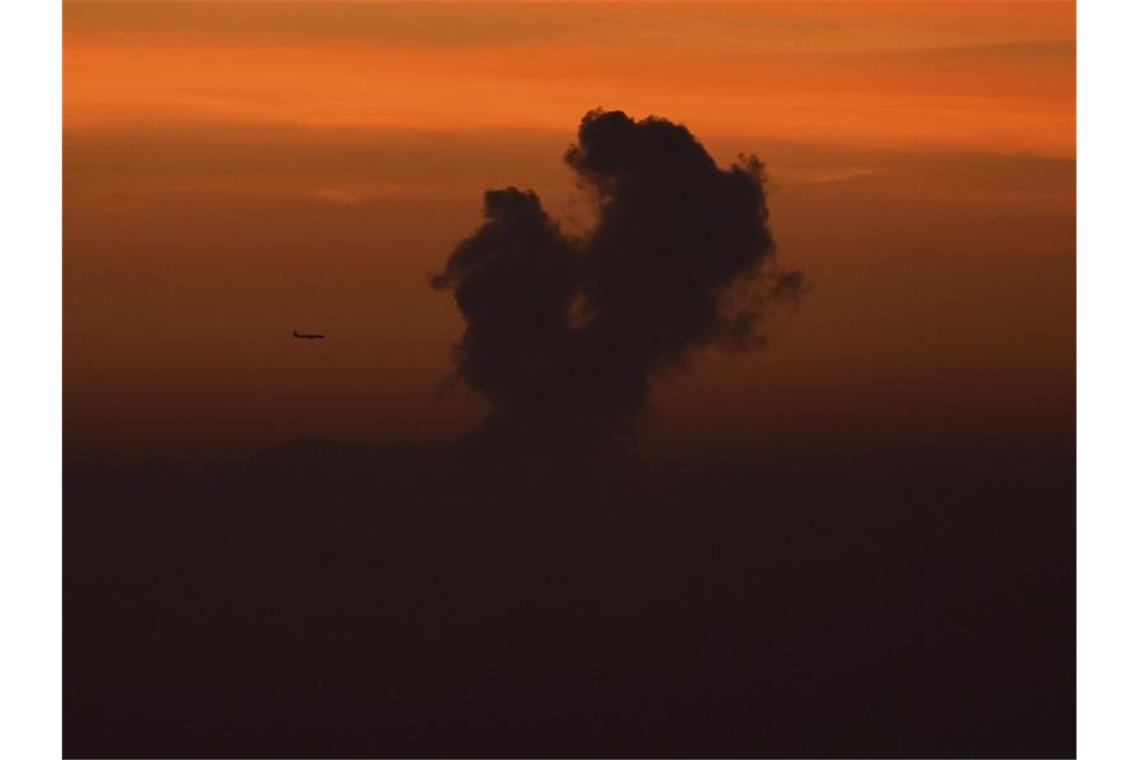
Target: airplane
{"x":308,"y":336}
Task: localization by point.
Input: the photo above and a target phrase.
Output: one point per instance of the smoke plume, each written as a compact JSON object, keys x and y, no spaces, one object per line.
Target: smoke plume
{"x":567,"y":332}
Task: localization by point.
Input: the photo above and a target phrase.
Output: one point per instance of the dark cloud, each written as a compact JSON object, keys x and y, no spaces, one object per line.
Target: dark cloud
{"x":565,"y":331}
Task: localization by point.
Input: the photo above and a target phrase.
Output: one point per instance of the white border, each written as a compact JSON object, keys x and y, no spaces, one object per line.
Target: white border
{"x":31,"y":308}
{"x":1108,"y":532}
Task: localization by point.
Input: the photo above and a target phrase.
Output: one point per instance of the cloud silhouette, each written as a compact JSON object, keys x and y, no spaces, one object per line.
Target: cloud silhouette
{"x":566,"y":332}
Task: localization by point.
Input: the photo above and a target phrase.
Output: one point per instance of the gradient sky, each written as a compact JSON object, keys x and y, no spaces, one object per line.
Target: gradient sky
{"x":237,"y":170}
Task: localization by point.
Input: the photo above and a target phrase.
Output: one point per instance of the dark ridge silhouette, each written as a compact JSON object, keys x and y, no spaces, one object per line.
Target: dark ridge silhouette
{"x":566,"y":334}
{"x":335,"y":600}
{"x":308,"y":336}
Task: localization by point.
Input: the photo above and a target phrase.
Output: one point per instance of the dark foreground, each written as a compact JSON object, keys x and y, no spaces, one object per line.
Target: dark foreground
{"x":343,"y":601}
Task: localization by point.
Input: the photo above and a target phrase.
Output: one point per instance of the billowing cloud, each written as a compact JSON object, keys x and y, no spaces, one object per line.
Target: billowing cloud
{"x":567,"y":331}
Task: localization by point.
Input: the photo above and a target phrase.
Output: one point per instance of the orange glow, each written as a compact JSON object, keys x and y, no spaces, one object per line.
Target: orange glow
{"x":979,"y":75}
{"x":237,"y":170}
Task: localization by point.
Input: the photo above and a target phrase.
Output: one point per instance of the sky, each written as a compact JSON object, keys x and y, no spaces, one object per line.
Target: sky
{"x":237,"y":170}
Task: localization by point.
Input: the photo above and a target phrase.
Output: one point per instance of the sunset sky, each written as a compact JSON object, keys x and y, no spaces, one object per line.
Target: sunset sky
{"x":237,"y":170}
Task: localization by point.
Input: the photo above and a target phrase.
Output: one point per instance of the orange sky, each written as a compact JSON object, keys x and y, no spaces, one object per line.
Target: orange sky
{"x":981,"y":75}
{"x":235,"y":170}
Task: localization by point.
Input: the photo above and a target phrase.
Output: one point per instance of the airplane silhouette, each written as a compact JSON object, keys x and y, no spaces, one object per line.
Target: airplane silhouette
{"x":308,"y":336}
